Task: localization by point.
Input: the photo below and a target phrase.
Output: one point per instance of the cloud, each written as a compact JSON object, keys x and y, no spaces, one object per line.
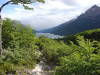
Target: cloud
{"x":51,"y":13}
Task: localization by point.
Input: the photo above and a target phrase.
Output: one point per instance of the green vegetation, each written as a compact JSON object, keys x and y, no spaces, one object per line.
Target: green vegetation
{"x":85,"y":60}
{"x":73,"y":55}
{"x":24,"y":3}
{"x":20,"y":49}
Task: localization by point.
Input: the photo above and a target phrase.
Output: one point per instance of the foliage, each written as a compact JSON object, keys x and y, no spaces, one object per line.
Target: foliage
{"x":25,"y":2}
{"x":83,"y":61}
{"x":20,"y":49}
{"x":91,"y":34}
{"x":73,"y":55}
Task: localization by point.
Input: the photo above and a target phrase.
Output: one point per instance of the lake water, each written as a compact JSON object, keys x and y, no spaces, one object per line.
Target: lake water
{"x":48,"y":35}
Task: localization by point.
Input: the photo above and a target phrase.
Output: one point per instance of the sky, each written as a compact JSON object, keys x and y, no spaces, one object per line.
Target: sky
{"x":49,"y":14}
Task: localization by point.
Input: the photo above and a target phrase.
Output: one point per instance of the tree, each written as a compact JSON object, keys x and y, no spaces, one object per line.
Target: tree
{"x":23,"y":2}
{"x":19,"y":43}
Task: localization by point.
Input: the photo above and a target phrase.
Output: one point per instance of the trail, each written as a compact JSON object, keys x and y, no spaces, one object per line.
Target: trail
{"x":41,"y":69}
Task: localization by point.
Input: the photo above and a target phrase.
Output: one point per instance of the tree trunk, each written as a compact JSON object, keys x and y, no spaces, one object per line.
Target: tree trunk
{"x":1,"y":23}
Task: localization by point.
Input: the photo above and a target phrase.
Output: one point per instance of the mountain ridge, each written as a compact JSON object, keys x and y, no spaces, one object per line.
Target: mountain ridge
{"x":89,"y":20}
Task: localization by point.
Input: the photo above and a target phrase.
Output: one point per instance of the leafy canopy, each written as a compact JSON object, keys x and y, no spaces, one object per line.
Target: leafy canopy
{"x":26,"y":2}
{"x":23,"y":2}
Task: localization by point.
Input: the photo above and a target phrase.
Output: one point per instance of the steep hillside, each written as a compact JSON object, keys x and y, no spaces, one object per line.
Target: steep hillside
{"x":89,"y":20}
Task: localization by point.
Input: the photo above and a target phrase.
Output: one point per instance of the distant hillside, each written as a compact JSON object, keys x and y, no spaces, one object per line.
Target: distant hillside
{"x":89,"y":20}
{"x":89,"y":34}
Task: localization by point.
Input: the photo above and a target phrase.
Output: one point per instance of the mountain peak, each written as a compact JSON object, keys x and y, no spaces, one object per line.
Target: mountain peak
{"x":89,"y":20}
{"x":95,"y":6}
{"x":93,"y":11}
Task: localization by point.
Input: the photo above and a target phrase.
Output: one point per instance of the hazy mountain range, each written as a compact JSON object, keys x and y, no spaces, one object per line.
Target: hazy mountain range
{"x":89,"y":20}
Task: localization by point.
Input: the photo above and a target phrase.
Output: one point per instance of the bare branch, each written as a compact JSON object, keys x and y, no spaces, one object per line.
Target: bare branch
{"x":4,"y":5}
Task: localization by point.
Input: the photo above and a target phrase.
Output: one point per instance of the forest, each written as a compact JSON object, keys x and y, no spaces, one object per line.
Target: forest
{"x":77,"y":54}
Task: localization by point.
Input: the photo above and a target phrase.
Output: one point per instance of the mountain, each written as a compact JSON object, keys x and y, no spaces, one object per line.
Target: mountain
{"x":89,"y":20}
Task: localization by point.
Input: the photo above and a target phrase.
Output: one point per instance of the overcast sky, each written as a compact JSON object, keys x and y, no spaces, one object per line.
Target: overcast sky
{"x":49,"y":14}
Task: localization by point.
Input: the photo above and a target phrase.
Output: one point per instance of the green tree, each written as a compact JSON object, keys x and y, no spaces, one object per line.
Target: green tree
{"x":19,"y":43}
{"x":23,"y":2}
{"x":86,"y":47}
{"x":82,"y":61}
